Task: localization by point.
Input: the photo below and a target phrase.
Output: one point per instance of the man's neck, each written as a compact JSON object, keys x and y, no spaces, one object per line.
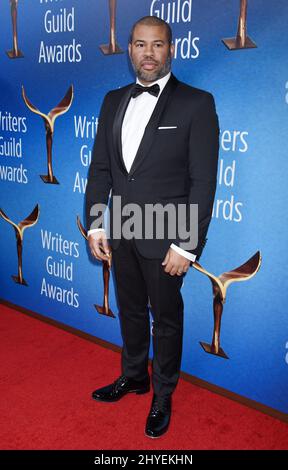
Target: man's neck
{"x":145,"y":83}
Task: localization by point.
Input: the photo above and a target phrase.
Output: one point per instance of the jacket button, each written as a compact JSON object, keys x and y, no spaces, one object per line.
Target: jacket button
{"x":131,"y":179}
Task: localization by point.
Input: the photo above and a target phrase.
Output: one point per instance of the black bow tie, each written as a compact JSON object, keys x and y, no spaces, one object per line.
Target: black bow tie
{"x":138,"y":89}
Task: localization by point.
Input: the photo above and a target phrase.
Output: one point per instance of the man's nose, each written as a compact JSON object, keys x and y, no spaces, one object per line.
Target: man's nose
{"x":149,"y":50}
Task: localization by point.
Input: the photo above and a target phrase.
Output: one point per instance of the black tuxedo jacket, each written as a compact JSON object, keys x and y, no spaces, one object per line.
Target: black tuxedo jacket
{"x":176,"y":165}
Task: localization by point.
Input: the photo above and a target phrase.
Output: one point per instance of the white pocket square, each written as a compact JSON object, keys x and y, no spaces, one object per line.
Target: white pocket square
{"x":168,"y":127}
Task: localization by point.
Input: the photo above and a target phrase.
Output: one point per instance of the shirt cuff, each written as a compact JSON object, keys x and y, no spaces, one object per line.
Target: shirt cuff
{"x":94,"y":230}
{"x":184,"y":253}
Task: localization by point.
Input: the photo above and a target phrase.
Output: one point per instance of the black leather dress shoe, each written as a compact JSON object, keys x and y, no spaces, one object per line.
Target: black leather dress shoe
{"x":159,"y":416}
{"x":120,"y":388}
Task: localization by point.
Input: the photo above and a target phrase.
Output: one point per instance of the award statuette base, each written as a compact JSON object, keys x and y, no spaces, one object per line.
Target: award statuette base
{"x":15,"y":55}
{"x":234,"y":43}
{"x":102,"y":311}
{"x":104,"y":308}
{"x":208,"y":348}
{"x":17,"y":280}
{"x":108,"y":49}
{"x":47,"y":180}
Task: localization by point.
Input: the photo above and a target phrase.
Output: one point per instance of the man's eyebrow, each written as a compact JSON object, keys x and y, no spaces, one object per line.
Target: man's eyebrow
{"x":155,"y":40}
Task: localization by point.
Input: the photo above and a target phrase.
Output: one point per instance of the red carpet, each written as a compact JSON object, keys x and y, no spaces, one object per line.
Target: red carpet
{"x":47,"y":376}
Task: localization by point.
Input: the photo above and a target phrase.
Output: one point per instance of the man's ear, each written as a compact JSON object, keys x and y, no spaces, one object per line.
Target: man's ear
{"x":129,"y":49}
{"x":172,"y":50}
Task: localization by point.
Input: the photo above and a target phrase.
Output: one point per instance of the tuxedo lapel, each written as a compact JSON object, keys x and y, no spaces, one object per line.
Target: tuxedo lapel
{"x":150,"y":130}
{"x":117,"y":127}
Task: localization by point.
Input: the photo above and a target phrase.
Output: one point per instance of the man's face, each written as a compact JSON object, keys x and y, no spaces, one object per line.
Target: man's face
{"x":150,"y":53}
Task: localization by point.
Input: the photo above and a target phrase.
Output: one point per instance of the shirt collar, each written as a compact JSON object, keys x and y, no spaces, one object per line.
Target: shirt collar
{"x":161,"y":82}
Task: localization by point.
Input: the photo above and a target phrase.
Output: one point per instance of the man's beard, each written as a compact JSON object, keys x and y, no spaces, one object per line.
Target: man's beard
{"x":156,"y":75}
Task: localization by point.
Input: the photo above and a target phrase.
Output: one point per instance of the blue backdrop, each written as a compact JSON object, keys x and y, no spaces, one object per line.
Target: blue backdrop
{"x":60,"y":42}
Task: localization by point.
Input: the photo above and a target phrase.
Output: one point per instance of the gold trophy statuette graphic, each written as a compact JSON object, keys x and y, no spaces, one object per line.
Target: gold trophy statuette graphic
{"x":220,"y":285}
{"x":242,"y":41}
{"x":112,"y":47}
{"x":103,"y":309}
{"x":31,"y":220}
{"x":15,"y":53}
{"x":49,"y":121}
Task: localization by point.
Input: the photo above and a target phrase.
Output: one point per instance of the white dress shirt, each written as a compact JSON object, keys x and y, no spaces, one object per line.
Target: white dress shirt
{"x":136,"y":118}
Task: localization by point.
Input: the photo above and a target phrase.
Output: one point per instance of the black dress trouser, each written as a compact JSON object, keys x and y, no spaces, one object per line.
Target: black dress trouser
{"x":138,"y":281}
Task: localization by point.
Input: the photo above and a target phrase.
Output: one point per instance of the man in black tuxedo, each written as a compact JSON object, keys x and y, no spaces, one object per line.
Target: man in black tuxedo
{"x":157,"y":143}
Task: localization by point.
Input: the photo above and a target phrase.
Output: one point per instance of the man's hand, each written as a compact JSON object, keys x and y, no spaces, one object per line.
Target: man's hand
{"x":175,"y":263}
{"x":99,"y":247}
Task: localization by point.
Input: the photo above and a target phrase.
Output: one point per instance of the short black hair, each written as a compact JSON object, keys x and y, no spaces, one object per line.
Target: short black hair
{"x":152,"y":21}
